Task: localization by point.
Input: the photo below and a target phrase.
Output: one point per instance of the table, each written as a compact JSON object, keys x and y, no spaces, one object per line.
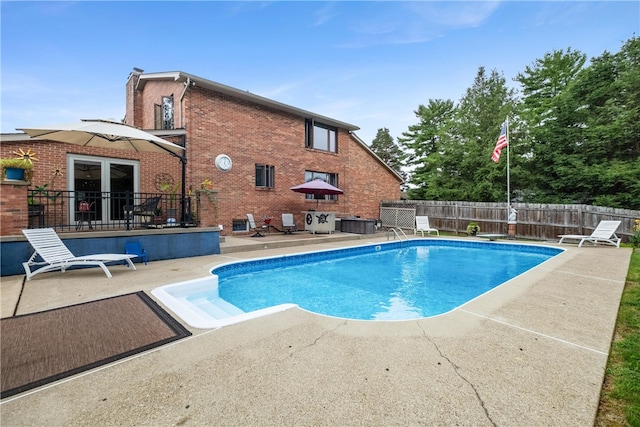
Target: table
{"x":319,"y":222}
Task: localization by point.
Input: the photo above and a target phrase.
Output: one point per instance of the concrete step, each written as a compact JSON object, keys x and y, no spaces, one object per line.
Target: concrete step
{"x":217,"y":307}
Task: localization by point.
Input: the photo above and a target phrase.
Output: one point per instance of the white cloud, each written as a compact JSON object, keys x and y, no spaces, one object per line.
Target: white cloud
{"x":324,"y":14}
{"x":400,"y":23}
{"x":454,"y":14}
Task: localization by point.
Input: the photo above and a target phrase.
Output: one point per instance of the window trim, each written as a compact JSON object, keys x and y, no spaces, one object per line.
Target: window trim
{"x":168,"y":111}
{"x":311,"y":127}
{"x":332,"y":178}
{"x":164,"y":113}
{"x":268,"y":173}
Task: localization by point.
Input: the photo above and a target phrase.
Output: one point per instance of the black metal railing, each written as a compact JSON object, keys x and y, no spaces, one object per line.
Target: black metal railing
{"x":98,"y":210}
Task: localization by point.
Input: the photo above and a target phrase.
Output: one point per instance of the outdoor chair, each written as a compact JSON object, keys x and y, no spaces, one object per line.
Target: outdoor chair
{"x":253,"y":227}
{"x":422,"y":225}
{"x":146,"y":211}
{"x":84,"y":213}
{"x":605,"y":232}
{"x":56,"y":256}
{"x":288,"y":224}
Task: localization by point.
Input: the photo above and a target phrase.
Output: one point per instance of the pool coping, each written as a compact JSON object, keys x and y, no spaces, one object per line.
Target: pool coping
{"x":173,"y":295}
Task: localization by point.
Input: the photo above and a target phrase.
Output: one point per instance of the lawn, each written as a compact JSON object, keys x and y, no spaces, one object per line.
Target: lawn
{"x":620,"y":396}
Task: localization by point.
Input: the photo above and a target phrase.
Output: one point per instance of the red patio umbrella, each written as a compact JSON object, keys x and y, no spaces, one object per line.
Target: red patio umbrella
{"x":317,"y":187}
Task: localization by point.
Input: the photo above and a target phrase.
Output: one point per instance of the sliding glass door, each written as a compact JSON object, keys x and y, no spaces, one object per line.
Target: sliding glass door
{"x":101,"y":185}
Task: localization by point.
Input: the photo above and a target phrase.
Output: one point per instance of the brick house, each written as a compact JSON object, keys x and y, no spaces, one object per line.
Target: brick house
{"x":272,"y":147}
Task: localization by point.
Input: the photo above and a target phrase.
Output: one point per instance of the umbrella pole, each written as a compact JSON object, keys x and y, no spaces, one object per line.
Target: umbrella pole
{"x":183,"y":160}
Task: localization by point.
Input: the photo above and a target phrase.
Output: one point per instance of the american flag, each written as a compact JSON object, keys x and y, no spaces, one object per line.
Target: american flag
{"x":502,"y":142}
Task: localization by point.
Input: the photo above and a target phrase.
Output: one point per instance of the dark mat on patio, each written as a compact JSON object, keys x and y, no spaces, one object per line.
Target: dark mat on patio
{"x":39,"y":348}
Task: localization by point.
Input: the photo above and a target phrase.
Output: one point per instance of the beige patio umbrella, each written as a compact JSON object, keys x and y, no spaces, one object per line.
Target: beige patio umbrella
{"x":105,"y":134}
{"x":110,"y":134}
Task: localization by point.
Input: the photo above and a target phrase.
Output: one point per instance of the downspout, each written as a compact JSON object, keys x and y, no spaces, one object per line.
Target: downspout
{"x":183,"y":159}
{"x":187,"y":84}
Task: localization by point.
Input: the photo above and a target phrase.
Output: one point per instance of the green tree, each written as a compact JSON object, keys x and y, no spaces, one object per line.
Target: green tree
{"x":423,"y":142}
{"x":608,"y":95}
{"x":553,"y":127}
{"x":583,"y":127}
{"x":389,"y":151}
{"x":462,"y":167}
{"x":574,"y":136}
{"x":482,"y":110}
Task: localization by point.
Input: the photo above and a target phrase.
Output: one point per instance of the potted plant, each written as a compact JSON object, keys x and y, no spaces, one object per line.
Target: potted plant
{"x":635,"y":237}
{"x":206,"y":189}
{"x":16,"y":169}
{"x":473,"y":228}
{"x":172,"y":190}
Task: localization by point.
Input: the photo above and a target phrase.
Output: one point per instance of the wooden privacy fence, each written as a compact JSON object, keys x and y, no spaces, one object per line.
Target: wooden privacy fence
{"x":534,"y":220}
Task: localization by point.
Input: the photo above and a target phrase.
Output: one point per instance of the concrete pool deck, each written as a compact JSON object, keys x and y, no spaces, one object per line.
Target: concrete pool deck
{"x":531,"y":352}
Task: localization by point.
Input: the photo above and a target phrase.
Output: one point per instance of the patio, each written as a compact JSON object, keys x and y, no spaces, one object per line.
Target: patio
{"x":531,"y":352}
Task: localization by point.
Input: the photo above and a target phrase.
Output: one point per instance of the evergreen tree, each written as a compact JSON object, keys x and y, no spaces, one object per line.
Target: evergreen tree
{"x":451,"y":146}
{"x":482,"y":110}
{"x":574,"y":136}
{"x":389,"y":151}
{"x":423,"y":143}
{"x":583,"y":127}
{"x":607,"y":94}
{"x":552,"y":124}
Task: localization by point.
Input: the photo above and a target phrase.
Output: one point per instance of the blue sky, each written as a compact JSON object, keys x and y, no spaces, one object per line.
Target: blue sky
{"x":370,"y":64}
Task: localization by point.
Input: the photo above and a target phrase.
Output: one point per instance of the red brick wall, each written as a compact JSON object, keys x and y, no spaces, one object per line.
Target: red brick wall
{"x":14,"y":214}
{"x":133,"y":115}
{"x":152,"y":94}
{"x":250,"y":134}
{"x":53,"y":155}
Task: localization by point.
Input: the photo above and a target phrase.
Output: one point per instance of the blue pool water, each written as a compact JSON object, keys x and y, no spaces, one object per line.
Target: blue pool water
{"x":401,"y":280}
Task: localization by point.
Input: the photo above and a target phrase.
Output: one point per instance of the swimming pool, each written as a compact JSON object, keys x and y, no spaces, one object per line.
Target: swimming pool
{"x":390,"y":281}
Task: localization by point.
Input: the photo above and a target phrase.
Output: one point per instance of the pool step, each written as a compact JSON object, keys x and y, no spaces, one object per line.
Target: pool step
{"x":217,"y":307}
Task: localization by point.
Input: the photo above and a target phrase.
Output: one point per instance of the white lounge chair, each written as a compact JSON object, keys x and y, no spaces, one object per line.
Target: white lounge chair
{"x":422,"y":225}
{"x":56,"y":255}
{"x":605,"y":232}
{"x":288,"y":224}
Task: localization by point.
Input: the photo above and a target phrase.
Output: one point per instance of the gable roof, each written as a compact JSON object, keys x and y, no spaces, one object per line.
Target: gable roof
{"x":192,"y":80}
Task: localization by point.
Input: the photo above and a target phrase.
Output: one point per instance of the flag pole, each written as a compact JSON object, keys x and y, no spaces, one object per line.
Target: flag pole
{"x":503,"y":140}
{"x":508,"y":172}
